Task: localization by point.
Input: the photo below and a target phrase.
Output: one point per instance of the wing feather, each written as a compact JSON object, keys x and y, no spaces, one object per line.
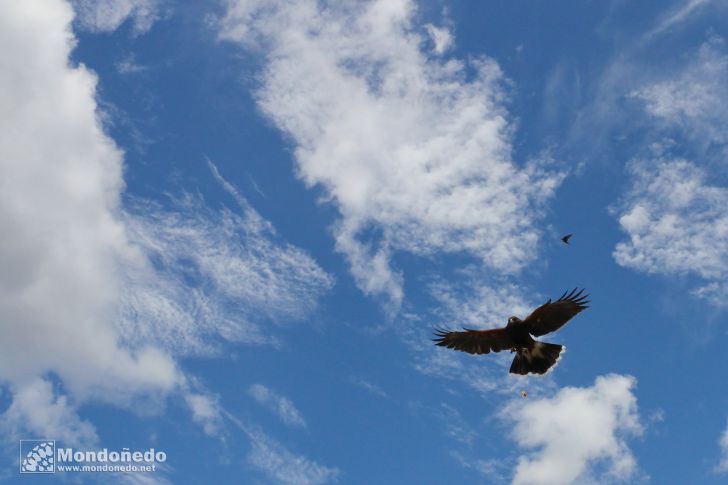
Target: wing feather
{"x":474,"y":341}
{"x":553,"y":315}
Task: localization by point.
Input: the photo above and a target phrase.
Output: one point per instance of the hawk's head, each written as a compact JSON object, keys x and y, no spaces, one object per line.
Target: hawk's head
{"x":513,"y":321}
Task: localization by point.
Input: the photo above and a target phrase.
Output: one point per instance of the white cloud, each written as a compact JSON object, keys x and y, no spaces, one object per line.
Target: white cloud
{"x":493,"y":471}
{"x":695,"y":99}
{"x":577,"y":433}
{"x":441,"y":38}
{"x":285,"y":467}
{"x":216,"y":275}
{"x":63,"y":240}
{"x":143,"y":478}
{"x":370,"y":387}
{"x":94,"y":296}
{"x":414,"y":151}
{"x":280,"y":464}
{"x":475,"y":372}
{"x":129,"y":65}
{"x":205,"y":411}
{"x":677,"y":16}
{"x":456,"y":427}
{"x":108,"y":15}
{"x":478,"y":303}
{"x":37,"y":410}
{"x":280,"y":405}
{"x":723,"y":465}
{"x":676,"y":223}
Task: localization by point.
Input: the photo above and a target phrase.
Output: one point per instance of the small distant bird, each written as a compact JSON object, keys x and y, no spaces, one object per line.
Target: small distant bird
{"x":524,"y":394}
{"x":566,"y":238}
{"x":532,"y":356}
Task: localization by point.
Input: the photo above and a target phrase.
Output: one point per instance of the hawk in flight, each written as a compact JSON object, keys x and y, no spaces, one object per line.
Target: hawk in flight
{"x":566,"y":238}
{"x":532,"y":356}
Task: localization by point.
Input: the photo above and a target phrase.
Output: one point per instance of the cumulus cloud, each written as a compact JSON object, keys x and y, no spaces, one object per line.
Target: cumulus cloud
{"x":695,"y":99}
{"x":577,"y":434}
{"x":413,"y":150}
{"x":280,"y":405}
{"x":672,"y":213}
{"x":59,"y":208}
{"x":108,"y":15}
{"x":441,"y":38}
{"x":99,"y":297}
{"x":676,"y":223}
{"x":205,"y":412}
{"x":37,"y":410}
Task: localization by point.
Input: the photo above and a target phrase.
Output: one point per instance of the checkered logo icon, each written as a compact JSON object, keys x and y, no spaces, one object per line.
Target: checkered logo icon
{"x":37,"y":456}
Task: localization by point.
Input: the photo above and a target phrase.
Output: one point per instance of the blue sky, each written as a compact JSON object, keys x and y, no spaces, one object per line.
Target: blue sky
{"x":231,"y":226}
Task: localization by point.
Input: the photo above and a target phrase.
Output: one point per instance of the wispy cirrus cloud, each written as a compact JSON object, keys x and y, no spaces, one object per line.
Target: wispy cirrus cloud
{"x":129,"y":65}
{"x":578,"y":434}
{"x":492,"y":470}
{"x":413,"y":150}
{"x":694,"y":98}
{"x":677,"y":15}
{"x":213,"y":275}
{"x":266,"y":454}
{"x":284,"y":466}
{"x":278,"y":462}
{"x":456,"y":427}
{"x":280,"y":405}
{"x":368,"y":386}
{"x":108,"y":15}
{"x":477,"y":302}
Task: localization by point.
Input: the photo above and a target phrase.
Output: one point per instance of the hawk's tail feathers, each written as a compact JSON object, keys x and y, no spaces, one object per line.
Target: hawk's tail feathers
{"x":539,"y":360}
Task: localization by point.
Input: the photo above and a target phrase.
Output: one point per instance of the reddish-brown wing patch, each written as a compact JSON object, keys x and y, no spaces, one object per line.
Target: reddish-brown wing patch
{"x":475,"y":341}
{"x":553,"y":315}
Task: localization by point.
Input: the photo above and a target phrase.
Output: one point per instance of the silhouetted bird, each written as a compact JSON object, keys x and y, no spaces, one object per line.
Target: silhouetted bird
{"x":532,"y":356}
{"x":566,"y":238}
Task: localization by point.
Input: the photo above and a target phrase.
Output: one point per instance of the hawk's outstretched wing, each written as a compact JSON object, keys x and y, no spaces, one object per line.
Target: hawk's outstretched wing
{"x":475,"y":341}
{"x":553,"y":315}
